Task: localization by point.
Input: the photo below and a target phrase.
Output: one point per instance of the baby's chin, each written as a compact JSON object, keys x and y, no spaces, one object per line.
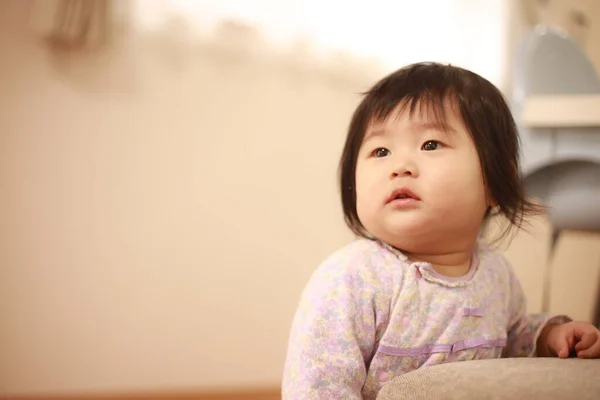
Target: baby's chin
{"x":405,"y":243}
{"x":410,"y":236}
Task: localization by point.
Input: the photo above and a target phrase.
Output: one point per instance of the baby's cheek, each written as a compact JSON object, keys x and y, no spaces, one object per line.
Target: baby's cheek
{"x":458,"y":185}
{"x":365,"y":208}
{"x":368,"y":196}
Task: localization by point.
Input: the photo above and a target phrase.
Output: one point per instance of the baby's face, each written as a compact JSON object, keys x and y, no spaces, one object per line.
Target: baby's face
{"x":436,"y":175}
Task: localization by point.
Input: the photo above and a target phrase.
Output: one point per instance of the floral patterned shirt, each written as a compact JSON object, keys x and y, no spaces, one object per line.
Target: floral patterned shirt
{"x":368,"y":314}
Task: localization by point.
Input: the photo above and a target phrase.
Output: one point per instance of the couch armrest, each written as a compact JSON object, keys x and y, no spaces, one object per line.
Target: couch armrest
{"x":499,"y":379}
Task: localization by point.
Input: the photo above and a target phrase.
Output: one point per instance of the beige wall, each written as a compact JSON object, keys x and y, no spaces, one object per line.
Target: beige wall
{"x":162,"y":207}
{"x":161,"y":211}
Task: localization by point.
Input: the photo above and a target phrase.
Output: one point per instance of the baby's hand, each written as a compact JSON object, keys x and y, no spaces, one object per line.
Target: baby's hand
{"x":582,"y":338}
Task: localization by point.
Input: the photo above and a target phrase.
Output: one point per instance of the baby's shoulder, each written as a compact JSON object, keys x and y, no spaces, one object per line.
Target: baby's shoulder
{"x":493,"y":263}
{"x":367,"y":260}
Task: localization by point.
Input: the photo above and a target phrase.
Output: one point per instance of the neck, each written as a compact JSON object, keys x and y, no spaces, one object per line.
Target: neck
{"x":452,"y":264}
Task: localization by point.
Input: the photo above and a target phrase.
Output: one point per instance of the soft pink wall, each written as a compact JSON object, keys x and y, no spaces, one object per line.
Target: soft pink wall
{"x":160,"y":211}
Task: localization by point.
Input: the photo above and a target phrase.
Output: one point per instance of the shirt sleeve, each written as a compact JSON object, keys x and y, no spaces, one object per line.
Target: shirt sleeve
{"x":525,"y":329}
{"x":332,"y":336}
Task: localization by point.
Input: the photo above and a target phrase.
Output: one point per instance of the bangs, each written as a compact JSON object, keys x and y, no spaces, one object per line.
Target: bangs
{"x":429,"y":104}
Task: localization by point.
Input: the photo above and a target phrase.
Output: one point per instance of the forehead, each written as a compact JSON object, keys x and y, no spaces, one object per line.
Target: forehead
{"x":419,"y":115}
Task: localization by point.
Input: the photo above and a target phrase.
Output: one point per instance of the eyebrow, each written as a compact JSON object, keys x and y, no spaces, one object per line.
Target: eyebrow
{"x":417,"y":127}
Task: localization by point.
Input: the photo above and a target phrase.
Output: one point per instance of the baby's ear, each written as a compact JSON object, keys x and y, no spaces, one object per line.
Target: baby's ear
{"x":490,"y":201}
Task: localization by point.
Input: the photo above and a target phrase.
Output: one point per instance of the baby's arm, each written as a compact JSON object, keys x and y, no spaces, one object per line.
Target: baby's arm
{"x":332,"y":338}
{"x":525,"y":329}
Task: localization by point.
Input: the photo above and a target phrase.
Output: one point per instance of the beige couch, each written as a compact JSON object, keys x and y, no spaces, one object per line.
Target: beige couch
{"x":499,"y":379}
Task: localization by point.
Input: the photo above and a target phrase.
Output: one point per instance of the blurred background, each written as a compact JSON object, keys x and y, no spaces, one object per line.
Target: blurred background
{"x":168,"y":176}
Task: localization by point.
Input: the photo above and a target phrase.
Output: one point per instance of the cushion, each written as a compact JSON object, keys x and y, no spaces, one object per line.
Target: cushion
{"x":499,"y":379}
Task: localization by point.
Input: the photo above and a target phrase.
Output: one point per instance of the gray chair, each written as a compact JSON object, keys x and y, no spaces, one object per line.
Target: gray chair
{"x":561,"y":165}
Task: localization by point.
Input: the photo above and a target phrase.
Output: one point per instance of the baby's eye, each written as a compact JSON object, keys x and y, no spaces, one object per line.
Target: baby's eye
{"x":431,"y":145}
{"x":380,"y":152}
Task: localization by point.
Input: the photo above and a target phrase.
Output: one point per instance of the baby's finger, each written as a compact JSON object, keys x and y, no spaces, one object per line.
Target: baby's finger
{"x":561,"y":346}
{"x":593,"y":351}
{"x":587,"y":340}
{"x":570,"y":341}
